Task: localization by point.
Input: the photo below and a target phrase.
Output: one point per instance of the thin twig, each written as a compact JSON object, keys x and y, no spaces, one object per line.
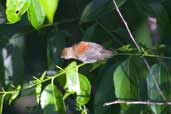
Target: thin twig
{"x":145,"y":55}
{"x":140,"y":51}
{"x":137,"y":102}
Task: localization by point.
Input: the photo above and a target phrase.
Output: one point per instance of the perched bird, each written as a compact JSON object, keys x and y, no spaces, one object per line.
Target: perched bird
{"x":87,"y":52}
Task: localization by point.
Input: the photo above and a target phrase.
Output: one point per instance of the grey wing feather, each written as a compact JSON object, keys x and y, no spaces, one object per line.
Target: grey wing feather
{"x":95,"y":46}
{"x":106,"y":54}
{"x":95,"y":52}
{"x":91,"y":56}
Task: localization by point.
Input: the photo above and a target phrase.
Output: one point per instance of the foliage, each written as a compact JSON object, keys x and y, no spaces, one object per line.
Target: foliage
{"x":33,"y":33}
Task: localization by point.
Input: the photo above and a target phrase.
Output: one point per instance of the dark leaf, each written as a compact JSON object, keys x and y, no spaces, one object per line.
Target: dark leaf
{"x":162,"y":75}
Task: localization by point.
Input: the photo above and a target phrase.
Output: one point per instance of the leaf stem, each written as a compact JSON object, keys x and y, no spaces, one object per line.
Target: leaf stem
{"x":45,"y":80}
{"x":145,"y":55}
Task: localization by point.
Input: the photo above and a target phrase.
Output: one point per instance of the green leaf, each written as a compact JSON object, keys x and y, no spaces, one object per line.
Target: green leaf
{"x":38,"y":87}
{"x":72,"y":78}
{"x":15,"y":9}
{"x":162,"y":75}
{"x":15,"y":94}
{"x":51,"y":100}
{"x":49,"y":7}
{"x":89,"y":33}
{"x":98,"y":8}
{"x":122,"y":83}
{"x":143,"y":34}
{"x":129,"y":80}
{"x":95,"y":33}
{"x":36,"y":14}
{"x":126,"y":48}
{"x":2,"y":97}
{"x":84,"y":96}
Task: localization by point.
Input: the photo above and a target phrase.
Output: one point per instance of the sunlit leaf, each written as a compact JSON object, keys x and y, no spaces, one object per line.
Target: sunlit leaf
{"x":38,"y":87}
{"x":51,"y":100}
{"x":49,"y":7}
{"x":36,"y":14}
{"x":2,"y":97}
{"x":72,"y":78}
{"x":15,"y":9}
{"x":85,"y":88}
{"x":15,"y":94}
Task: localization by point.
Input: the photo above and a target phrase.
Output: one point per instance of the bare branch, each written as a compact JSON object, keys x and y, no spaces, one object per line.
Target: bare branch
{"x":140,"y":51}
{"x":137,"y":102}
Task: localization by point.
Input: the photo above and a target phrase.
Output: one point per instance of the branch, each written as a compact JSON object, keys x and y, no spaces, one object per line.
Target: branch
{"x":137,"y":102}
{"x":145,"y":55}
{"x":140,"y":51}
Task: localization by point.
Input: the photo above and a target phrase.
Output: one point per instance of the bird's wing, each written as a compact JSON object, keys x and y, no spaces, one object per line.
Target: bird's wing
{"x":94,"y":46}
{"x":90,"y":56}
{"x":106,"y":54}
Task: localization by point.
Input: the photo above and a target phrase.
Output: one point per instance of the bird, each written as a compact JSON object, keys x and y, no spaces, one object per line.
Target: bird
{"x":87,"y":52}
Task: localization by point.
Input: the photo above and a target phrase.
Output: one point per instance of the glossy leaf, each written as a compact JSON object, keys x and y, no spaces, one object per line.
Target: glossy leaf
{"x":51,"y":100}
{"x":97,"y":8}
{"x":163,"y":78}
{"x":85,"y":89}
{"x":15,"y":9}
{"x":36,"y":14}
{"x":72,"y":78}
{"x":49,"y":7}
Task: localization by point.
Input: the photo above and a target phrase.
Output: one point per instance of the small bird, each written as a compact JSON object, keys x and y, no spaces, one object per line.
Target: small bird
{"x":87,"y":52}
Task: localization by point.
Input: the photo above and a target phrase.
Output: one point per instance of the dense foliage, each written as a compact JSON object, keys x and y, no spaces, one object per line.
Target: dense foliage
{"x":33,"y":33}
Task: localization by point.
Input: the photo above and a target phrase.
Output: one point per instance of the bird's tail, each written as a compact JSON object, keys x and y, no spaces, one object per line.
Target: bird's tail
{"x":106,"y":54}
